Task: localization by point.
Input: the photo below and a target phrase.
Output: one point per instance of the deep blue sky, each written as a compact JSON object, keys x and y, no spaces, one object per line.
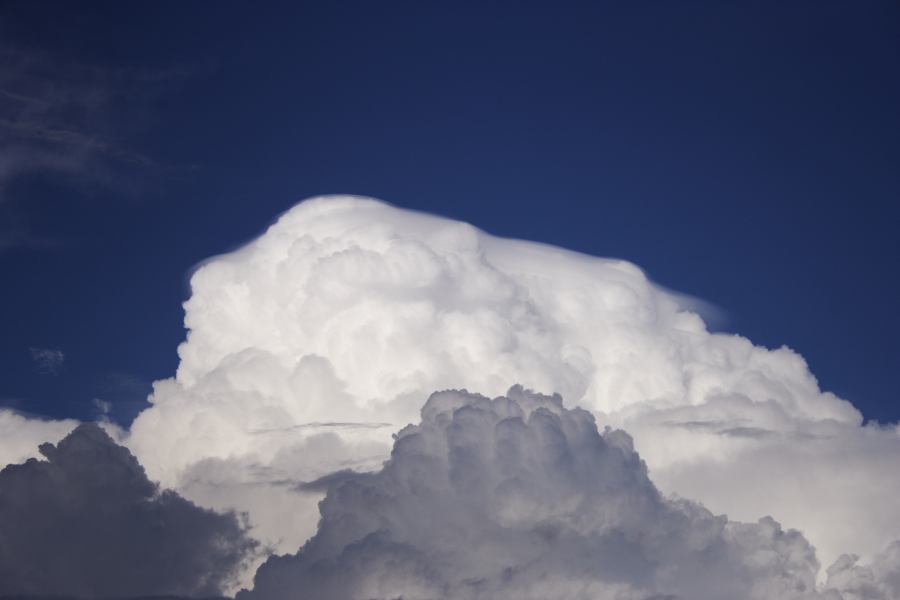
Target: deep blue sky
{"x":744,"y":152}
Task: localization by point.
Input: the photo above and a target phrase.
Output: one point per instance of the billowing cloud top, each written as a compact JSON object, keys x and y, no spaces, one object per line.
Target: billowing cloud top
{"x":86,"y":522}
{"x":518,"y":497}
{"x":347,"y":312}
{"x":398,"y":302}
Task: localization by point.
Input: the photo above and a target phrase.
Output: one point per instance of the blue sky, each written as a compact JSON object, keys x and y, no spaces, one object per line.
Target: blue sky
{"x":745,"y":153}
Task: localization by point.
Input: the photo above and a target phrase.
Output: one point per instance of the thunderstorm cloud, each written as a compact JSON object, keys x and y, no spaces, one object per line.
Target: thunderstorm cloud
{"x":349,"y":310}
{"x":313,"y":344}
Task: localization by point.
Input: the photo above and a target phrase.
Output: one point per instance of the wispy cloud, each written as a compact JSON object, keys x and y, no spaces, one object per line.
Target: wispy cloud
{"x":102,"y":406}
{"x":24,"y":238}
{"x":64,"y":116}
{"x":48,"y":361}
{"x":70,"y":119}
{"x":316,"y":425}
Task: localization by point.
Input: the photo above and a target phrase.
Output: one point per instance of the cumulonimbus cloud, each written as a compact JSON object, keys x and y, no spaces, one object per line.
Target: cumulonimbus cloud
{"x":309,"y":346}
{"x":350,"y":311}
{"x":86,"y":522}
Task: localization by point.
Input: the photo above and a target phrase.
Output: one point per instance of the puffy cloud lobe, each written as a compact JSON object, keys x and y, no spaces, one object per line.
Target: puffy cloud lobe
{"x":878,"y":581}
{"x":519,"y":497}
{"x":348,"y":310}
{"x":87,"y":522}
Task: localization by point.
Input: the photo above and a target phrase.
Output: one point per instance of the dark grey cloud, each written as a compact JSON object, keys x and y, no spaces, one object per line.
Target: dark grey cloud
{"x":519,"y":497}
{"x":87,"y":522}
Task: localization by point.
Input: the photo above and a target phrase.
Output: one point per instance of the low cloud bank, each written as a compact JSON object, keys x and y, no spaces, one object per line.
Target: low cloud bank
{"x":87,"y":522}
{"x":519,"y":497}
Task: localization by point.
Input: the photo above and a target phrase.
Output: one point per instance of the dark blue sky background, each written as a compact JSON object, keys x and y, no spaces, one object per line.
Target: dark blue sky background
{"x":744,"y":152}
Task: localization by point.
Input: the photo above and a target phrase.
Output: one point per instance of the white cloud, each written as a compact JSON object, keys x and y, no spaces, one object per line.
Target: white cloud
{"x":518,"y":497}
{"x":20,"y":435}
{"x":348,"y":310}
